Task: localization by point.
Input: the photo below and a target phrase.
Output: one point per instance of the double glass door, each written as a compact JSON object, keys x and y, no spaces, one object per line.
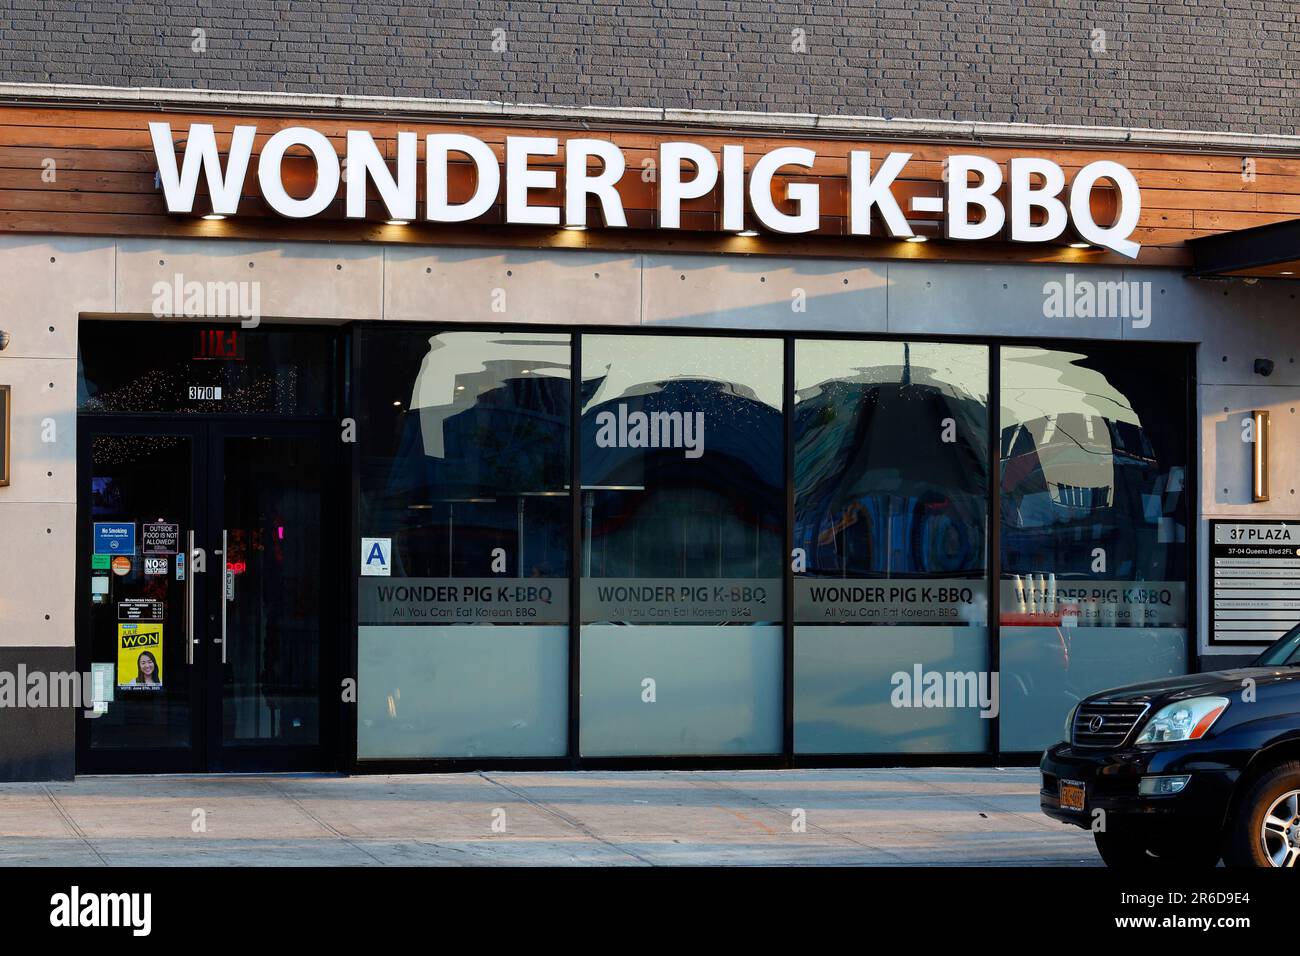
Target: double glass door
{"x":208,"y":623}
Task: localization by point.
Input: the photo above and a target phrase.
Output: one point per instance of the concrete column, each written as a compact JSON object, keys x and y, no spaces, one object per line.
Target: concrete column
{"x":44,"y":285}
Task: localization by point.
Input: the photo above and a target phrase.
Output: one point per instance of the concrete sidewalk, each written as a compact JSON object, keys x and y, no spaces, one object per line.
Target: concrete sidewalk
{"x":744,"y":818}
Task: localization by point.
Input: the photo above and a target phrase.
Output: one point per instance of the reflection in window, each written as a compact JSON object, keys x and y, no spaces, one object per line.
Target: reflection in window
{"x":475,"y":479}
{"x":681,"y":461}
{"x":1094,"y":527}
{"x":680,"y":522}
{"x":682,"y":516}
{"x":465,"y":456}
{"x":891,"y":502}
{"x":891,"y":470}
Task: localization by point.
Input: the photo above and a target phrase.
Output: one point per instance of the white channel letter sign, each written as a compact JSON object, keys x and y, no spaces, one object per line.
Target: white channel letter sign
{"x":971,"y":204}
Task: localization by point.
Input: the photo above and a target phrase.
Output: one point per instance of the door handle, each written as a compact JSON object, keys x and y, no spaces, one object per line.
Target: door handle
{"x":190,"y":639}
{"x":226,"y":589}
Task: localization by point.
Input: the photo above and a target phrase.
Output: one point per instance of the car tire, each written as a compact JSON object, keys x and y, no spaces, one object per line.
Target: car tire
{"x":1267,"y":819}
{"x":1123,"y":851}
{"x":1131,"y":851}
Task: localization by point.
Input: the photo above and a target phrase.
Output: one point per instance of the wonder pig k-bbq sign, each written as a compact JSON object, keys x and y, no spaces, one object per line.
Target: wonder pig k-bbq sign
{"x":1028,"y":199}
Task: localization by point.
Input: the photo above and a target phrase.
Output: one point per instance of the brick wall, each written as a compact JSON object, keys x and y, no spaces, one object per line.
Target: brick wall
{"x":1179,"y":64}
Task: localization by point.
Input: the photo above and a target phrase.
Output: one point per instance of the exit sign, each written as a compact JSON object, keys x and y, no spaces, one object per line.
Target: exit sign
{"x":225,"y":344}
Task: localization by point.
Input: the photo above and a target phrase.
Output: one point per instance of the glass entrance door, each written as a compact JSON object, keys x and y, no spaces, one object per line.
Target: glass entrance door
{"x":138,"y":604}
{"x":267,"y":654}
{"x":207,"y":624}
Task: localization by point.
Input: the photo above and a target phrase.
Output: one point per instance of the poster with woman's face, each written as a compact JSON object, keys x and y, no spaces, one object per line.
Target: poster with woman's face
{"x":139,"y":656}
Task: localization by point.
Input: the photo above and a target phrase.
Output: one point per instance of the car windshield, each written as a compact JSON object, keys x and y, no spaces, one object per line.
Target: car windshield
{"x":1286,"y":652}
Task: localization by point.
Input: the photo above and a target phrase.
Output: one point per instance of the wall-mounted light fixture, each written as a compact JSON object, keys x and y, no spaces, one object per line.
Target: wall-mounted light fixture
{"x":1259,"y":458}
{"x":5,"y":434}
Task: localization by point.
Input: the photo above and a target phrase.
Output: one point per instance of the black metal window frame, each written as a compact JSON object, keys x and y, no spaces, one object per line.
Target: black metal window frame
{"x":787,"y":758}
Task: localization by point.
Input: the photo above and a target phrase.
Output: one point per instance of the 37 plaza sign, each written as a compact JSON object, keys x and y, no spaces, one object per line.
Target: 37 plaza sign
{"x":1040,"y":206}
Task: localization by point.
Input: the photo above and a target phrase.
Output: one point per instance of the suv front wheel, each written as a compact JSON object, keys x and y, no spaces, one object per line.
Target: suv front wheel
{"x":1265,"y":829}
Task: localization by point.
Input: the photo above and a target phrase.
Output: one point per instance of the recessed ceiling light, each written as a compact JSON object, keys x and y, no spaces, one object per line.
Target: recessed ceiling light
{"x":748,"y":233}
{"x":1081,"y":245}
{"x":214,"y":216}
{"x":917,"y":238}
{"x":399,"y":222}
{"x":1288,"y":273}
{"x":576,"y":228}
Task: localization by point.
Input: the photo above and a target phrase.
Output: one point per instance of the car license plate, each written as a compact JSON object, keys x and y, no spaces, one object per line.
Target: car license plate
{"x":1073,"y":795}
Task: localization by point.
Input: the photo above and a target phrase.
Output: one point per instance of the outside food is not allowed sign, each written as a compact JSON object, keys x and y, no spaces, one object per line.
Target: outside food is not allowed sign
{"x":161,"y":537}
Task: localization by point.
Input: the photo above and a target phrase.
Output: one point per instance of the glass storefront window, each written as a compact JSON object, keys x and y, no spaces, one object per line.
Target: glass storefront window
{"x":1094,"y":505}
{"x":679,"y":524}
{"x":891,"y":508}
{"x":464,"y":440}
{"x":682,"y":518}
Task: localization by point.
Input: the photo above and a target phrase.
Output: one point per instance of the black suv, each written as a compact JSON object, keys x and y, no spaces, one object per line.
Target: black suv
{"x":1187,"y":770}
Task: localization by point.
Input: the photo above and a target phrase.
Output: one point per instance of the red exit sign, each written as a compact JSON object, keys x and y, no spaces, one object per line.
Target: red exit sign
{"x":225,"y":344}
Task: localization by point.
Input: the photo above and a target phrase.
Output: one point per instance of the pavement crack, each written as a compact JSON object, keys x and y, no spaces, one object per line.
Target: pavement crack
{"x":566,"y":818}
{"x":784,"y":811}
{"x":327,"y":827}
{"x":72,"y":825}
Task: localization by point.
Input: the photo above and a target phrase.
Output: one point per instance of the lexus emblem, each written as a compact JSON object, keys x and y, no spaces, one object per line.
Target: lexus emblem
{"x":1096,"y":723}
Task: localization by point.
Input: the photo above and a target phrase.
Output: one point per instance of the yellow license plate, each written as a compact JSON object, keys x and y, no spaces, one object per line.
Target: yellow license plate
{"x":1073,"y":795}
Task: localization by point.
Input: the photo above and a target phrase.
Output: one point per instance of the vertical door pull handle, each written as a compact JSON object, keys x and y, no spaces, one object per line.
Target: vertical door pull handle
{"x":190,"y":639}
{"x":227,"y":589}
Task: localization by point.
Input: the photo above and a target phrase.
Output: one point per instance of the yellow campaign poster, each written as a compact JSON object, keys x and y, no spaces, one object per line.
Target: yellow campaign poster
{"x":139,"y":656}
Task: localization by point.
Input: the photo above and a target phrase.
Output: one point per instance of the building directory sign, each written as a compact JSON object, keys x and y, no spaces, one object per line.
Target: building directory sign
{"x":1255,"y":580}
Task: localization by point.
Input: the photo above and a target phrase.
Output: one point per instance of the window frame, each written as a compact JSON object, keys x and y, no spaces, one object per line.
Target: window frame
{"x":787,"y":758}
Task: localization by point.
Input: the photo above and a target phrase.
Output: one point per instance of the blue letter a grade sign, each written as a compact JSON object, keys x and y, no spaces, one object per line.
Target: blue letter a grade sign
{"x":376,"y":557}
